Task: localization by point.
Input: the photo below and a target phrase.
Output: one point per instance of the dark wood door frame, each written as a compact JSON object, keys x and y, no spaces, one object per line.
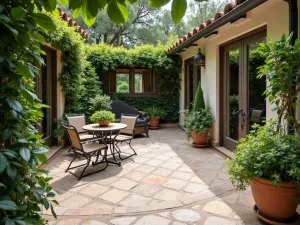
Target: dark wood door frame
{"x":50,"y":140}
{"x":196,"y":78}
{"x":241,"y":42}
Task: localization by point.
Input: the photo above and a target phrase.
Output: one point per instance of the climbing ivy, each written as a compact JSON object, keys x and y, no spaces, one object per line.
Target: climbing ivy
{"x":166,"y":69}
{"x":23,"y":186}
{"x":78,"y":78}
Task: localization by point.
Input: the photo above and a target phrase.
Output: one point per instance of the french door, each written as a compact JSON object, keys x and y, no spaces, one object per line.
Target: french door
{"x":243,"y":100}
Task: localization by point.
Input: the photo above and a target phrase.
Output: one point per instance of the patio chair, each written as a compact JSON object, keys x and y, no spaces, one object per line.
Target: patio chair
{"x":125,"y":135}
{"x":78,"y":121}
{"x":121,"y":108}
{"x":87,"y":150}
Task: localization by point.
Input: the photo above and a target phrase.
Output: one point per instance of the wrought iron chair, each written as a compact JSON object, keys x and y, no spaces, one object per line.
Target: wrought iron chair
{"x":87,"y":150}
{"x":78,"y":121}
{"x":125,"y":135}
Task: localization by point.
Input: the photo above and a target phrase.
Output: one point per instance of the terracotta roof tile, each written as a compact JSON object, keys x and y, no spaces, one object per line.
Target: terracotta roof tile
{"x":209,"y":21}
{"x":71,"y":22}
{"x":218,"y":15}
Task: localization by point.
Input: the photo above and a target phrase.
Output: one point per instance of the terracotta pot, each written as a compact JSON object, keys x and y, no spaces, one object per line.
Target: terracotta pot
{"x":199,"y":139}
{"x":154,"y":121}
{"x":277,"y":203}
{"x":104,"y":123}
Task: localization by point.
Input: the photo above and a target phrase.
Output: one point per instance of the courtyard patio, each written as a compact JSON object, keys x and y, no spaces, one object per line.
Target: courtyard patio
{"x":168,"y":182}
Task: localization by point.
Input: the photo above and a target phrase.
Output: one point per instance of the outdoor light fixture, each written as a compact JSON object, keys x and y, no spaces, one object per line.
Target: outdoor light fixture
{"x":199,"y":59}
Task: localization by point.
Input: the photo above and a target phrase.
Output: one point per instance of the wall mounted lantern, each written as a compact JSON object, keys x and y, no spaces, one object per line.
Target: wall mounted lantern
{"x":199,"y":59}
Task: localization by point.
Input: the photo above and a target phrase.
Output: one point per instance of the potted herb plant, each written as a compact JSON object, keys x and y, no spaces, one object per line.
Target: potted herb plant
{"x":103,"y":118}
{"x":154,"y":115}
{"x":269,"y":159}
{"x":197,"y":125}
{"x":199,"y":120}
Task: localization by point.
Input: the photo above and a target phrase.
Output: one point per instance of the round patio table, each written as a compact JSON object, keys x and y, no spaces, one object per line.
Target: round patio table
{"x":106,"y":134}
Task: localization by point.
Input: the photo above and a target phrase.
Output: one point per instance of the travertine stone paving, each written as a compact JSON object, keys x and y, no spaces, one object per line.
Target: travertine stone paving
{"x":169,"y":182}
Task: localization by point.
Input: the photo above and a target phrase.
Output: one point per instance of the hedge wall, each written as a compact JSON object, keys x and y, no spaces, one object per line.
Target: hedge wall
{"x":104,"y":57}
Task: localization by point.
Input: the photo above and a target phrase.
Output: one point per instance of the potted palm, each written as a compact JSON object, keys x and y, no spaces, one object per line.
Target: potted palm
{"x":269,"y":159}
{"x":154,"y":115}
{"x":198,"y":121}
{"x":103,"y":118}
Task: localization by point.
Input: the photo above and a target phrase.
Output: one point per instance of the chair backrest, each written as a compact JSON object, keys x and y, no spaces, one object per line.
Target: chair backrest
{"x":130,"y":121}
{"x":78,"y":121}
{"x":73,"y":137}
{"x":119,"y":107}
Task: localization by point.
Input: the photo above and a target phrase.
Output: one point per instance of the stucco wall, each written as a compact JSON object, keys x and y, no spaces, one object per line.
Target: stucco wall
{"x":273,"y":13}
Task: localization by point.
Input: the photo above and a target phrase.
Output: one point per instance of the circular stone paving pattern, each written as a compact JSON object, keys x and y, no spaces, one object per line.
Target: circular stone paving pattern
{"x":186,"y":215}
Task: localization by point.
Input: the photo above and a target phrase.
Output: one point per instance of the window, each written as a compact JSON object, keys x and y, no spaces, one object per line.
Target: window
{"x":139,"y":81}
{"x":122,"y":81}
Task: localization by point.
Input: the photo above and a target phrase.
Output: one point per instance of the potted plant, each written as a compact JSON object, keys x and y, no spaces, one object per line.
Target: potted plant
{"x":103,"y":118}
{"x":269,"y":159}
{"x":154,"y":115}
{"x":198,"y":121}
{"x":197,"y":125}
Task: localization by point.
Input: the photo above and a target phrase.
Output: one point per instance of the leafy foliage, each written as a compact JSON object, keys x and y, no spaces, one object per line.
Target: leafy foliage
{"x":166,"y":69}
{"x":102,"y":115}
{"x":282,"y":69}
{"x":101,"y":102}
{"x":116,"y":10}
{"x":155,"y":112}
{"x":23,"y":186}
{"x":199,"y":99}
{"x":198,"y":121}
{"x":78,"y":78}
{"x":266,"y":153}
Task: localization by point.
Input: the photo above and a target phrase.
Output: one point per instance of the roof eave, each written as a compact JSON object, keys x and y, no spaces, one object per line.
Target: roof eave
{"x":227,"y":18}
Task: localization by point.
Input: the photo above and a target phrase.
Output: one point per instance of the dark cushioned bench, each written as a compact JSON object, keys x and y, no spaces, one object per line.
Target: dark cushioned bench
{"x":119,"y":107}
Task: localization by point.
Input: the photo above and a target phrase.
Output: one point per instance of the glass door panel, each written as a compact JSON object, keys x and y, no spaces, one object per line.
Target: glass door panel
{"x":233,"y":94}
{"x":256,"y":99}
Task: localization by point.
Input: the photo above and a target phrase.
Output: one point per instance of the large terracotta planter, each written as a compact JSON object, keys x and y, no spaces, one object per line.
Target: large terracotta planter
{"x":154,"y":121}
{"x":104,"y":123}
{"x":199,"y":139}
{"x":276,"y":203}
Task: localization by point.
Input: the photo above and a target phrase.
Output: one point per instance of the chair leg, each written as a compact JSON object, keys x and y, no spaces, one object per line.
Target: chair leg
{"x":88,"y":163}
{"x":132,"y":147}
{"x":71,"y":163}
{"x":129,"y":143}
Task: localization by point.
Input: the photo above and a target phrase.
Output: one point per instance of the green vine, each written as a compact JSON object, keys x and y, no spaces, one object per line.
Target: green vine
{"x":78,"y":78}
{"x":104,"y":57}
{"x":23,"y":186}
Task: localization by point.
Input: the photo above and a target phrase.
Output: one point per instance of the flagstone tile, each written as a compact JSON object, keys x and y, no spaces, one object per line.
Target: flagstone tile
{"x":124,"y":184}
{"x":175,"y":184}
{"x":93,"y":190}
{"x":114,"y":195}
{"x":146,"y":189}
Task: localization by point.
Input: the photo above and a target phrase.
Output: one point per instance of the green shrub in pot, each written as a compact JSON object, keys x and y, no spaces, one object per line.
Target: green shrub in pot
{"x":154,"y":115}
{"x":199,"y":121}
{"x":265,"y":153}
{"x":104,"y":118}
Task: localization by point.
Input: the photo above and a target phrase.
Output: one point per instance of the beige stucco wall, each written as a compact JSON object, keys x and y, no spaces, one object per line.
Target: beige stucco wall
{"x":273,"y":13}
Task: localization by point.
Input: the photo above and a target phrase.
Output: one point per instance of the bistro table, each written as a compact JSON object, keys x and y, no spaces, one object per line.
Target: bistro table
{"x":106,"y":138}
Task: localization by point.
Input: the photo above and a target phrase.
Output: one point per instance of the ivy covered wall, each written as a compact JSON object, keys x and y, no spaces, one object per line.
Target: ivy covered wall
{"x":78,"y":78}
{"x":104,"y":57}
